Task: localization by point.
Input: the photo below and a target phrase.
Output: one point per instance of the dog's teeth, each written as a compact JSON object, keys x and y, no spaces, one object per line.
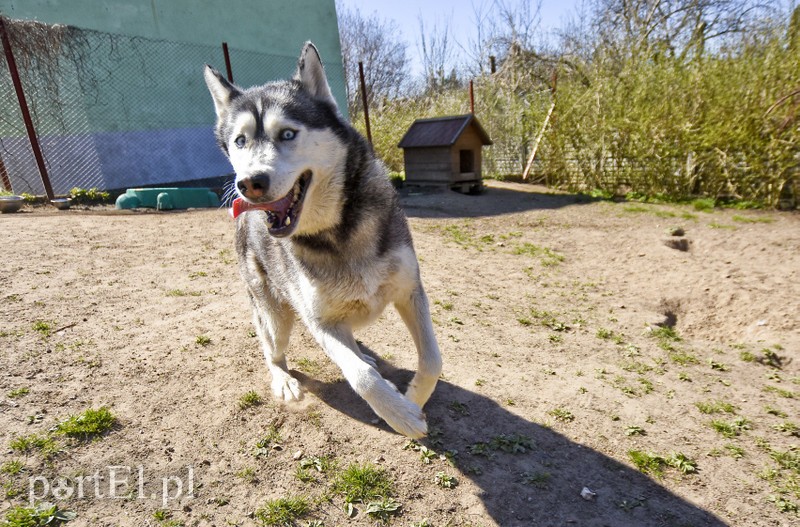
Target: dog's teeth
{"x":288,"y":221}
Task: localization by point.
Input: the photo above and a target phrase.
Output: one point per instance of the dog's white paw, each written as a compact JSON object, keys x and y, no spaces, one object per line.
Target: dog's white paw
{"x":286,"y":387}
{"x":406,"y":418}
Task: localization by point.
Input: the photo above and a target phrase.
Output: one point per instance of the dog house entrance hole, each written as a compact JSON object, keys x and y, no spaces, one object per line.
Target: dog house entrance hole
{"x":466,"y":161}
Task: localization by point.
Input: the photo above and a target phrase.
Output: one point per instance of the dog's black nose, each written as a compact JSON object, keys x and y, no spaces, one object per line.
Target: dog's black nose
{"x":255,"y":186}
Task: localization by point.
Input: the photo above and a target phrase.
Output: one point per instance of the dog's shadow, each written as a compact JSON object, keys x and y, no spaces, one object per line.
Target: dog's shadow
{"x":528,"y":474}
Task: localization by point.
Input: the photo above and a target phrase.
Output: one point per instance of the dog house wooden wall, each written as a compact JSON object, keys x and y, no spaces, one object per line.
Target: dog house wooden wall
{"x":445,"y":151}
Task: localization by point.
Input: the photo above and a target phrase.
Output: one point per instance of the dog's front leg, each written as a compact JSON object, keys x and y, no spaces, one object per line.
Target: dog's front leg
{"x":383,"y":397}
{"x":273,"y":327}
{"x":416,"y":314}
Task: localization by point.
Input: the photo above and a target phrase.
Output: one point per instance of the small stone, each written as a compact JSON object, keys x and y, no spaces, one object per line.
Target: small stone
{"x":297,"y":455}
{"x":588,"y":494}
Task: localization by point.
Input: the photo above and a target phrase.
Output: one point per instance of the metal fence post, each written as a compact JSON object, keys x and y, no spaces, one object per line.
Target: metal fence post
{"x":228,"y":69}
{"x":364,"y":98}
{"x":23,"y":106}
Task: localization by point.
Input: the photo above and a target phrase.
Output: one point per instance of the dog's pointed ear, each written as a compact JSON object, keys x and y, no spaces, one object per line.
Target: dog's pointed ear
{"x":222,"y":91}
{"x":311,"y":74}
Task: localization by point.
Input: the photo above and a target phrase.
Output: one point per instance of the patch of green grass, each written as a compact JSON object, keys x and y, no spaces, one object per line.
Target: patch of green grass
{"x":604,"y":334}
{"x":716,"y":225}
{"x":775,"y":411}
{"x":181,"y":292}
{"x":715,"y":407}
{"x":445,"y":480}
{"x":547,"y":257}
{"x":788,"y":394}
{"x":19,"y":392}
{"x":654,"y":464}
{"x":43,"y":514}
{"x":731,"y":429}
{"x":635,"y":431}
{"x":637,"y":367}
{"x":735,"y":451}
{"x":282,"y":511}
{"x":665,"y":333}
{"x":747,"y":356}
{"x":308,"y":466}
{"x":704,"y":204}
{"x":363,"y":482}
{"x":12,"y":468}
{"x":248,"y":474}
{"x":513,"y":444}
{"x":788,"y":427}
{"x":89,"y":424}
{"x":309,"y":366}
{"x":719,"y":366}
{"x":560,"y":414}
{"x":458,"y":408}
{"x":457,"y":234}
{"x":46,"y":445}
{"x":647,"y":385}
{"x":683,"y":358}
{"x":481,"y":448}
{"x":635,"y":208}
{"x":265,"y":444}
{"x":540,"y":480}
{"x":383,"y":509}
{"x":250,"y":399}
{"x":750,"y":219}
{"x":202,"y":340}
{"x":447,"y":306}
{"x":43,"y":327}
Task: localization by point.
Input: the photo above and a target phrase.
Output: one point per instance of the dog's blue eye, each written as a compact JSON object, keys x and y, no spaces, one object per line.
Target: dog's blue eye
{"x":287,"y":134}
{"x":240,"y":141}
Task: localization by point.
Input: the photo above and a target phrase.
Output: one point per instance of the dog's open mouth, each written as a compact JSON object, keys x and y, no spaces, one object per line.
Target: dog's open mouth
{"x":282,"y":214}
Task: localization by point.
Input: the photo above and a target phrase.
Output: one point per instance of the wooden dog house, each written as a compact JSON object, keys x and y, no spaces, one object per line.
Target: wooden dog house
{"x":445,"y":151}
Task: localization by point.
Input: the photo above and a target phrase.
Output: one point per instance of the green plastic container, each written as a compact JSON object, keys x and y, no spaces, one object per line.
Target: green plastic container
{"x":168,"y":198}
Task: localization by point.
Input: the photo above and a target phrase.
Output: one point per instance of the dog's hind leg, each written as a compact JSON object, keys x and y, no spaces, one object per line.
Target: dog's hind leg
{"x":382,"y":396}
{"x":273,"y":327}
{"x":416,"y":314}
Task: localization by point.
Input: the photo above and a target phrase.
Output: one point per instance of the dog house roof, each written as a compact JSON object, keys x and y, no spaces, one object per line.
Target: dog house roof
{"x":441,"y":131}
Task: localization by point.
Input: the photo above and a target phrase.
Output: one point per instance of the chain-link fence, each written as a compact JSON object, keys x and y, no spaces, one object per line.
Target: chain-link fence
{"x":113,"y":111}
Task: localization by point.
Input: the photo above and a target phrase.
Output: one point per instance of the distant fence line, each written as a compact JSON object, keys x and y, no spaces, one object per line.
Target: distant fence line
{"x":113,"y":111}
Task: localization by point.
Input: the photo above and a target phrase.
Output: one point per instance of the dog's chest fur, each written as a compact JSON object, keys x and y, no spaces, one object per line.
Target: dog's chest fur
{"x":324,"y":288}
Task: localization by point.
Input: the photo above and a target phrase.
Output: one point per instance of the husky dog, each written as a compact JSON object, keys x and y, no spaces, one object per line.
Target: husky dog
{"x":321,"y":236}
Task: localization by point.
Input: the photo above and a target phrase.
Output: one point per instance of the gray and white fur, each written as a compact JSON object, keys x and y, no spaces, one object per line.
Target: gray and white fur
{"x":332,"y":246}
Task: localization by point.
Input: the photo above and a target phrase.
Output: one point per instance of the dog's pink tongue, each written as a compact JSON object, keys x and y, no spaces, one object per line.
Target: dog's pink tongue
{"x":240,"y":205}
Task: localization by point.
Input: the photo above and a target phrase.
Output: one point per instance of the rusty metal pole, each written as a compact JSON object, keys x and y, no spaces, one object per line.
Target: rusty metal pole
{"x":23,"y":106}
{"x":228,"y":69}
{"x":364,"y":99}
{"x":471,"y":98}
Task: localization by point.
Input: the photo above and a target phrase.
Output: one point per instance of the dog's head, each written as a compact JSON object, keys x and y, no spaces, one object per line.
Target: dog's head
{"x":286,"y":142}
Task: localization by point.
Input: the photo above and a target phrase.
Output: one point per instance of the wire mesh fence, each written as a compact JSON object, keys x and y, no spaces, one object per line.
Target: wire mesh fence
{"x":114,"y":111}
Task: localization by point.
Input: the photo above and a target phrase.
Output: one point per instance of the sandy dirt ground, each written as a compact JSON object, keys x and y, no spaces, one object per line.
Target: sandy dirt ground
{"x":549,"y":310}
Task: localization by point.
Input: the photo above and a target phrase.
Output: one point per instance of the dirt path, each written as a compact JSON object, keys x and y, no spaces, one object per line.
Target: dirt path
{"x":545,"y":308}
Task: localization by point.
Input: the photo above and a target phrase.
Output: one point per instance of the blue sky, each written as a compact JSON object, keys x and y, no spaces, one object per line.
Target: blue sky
{"x":459,"y":14}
